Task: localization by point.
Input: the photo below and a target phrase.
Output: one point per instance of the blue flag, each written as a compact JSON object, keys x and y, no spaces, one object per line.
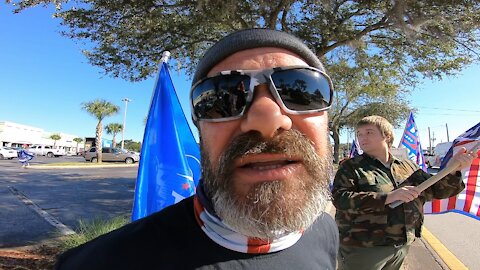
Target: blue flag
{"x":411,"y":141}
{"x":169,"y":166}
{"x":355,"y":150}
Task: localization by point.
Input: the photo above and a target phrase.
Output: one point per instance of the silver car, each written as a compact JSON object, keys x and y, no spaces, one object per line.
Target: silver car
{"x":112,"y":154}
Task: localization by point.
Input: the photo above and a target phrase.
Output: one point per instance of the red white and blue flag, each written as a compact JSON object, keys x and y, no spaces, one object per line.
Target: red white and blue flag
{"x":411,"y":141}
{"x":355,"y":150}
{"x":468,"y":201}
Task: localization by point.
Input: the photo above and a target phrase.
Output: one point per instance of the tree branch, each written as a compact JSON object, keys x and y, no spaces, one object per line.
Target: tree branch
{"x":379,"y":25}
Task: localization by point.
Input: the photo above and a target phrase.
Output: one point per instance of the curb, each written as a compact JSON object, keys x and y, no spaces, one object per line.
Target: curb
{"x":448,"y":258}
{"x":40,"y":167}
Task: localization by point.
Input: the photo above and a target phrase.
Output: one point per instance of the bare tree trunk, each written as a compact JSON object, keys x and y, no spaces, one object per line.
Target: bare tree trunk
{"x":336,"y":140}
{"x":114,"y":143}
{"x":98,"y":141}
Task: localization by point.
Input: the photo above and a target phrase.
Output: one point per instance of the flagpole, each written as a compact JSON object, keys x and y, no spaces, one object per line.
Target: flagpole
{"x":434,"y":179}
{"x":165,"y":57}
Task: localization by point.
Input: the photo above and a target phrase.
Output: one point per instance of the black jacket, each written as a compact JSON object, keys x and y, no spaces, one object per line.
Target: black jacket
{"x":172,"y":239}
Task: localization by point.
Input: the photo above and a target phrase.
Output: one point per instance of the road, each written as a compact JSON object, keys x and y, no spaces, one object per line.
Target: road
{"x":72,"y":194}
{"x":66,"y":194}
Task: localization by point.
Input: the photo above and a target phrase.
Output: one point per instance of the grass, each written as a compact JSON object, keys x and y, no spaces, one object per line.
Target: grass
{"x":87,"y":231}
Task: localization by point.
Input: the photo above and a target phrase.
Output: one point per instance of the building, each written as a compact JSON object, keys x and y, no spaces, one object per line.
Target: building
{"x":16,"y":135}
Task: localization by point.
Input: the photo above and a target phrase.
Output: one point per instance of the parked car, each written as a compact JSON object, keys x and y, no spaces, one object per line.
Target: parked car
{"x":7,"y":153}
{"x":18,"y":149}
{"x":46,"y":150}
{"x":112,"y":154}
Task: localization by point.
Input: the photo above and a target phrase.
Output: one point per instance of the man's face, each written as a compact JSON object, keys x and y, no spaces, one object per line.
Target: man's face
{"x":371,"y":140}
{"x":267,"y":172}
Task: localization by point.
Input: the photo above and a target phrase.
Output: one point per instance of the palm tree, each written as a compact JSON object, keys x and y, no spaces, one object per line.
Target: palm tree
{"x":114,"y":129}
{"x":100,"y":109}
{"x":77,"y":140}
{"x":55,"y":138}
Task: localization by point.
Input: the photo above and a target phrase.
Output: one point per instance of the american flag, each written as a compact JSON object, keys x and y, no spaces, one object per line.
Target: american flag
{"x":468,"y":201}
{"x":411,"y":141}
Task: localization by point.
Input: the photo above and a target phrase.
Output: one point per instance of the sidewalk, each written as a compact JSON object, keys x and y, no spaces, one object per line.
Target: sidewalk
{"x":421,"y":257}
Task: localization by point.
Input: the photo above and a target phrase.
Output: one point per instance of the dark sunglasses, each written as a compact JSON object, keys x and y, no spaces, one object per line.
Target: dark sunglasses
{"x":227,"y":96}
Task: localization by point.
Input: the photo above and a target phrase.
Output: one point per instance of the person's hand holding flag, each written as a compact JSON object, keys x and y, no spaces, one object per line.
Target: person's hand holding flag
{"x":464,"y":158}
{"x":461,"y":160}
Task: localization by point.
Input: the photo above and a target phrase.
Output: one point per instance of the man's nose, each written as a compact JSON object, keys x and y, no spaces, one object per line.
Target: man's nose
{"x":265,"y":115}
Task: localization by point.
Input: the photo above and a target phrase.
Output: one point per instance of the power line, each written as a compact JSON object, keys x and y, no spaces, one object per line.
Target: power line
{"x":447,"y":109}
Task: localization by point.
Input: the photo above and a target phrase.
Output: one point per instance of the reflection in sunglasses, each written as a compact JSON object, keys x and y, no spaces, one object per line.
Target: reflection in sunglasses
{"x":224,"y":97}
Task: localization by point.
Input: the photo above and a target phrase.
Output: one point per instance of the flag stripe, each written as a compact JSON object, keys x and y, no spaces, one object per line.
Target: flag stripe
{"x":468,"y":200}
{"x":452,"y":202}
{"x":256,"y":246}
{"x":471,"y":185}
{"x":436,"y":206}
{"x":198,"y":209}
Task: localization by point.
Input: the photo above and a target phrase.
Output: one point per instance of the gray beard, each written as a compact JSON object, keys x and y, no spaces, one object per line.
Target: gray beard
{"x":273,"y":208}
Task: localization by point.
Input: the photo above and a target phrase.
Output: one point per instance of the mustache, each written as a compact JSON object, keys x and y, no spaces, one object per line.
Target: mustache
{"x":290,"y":142}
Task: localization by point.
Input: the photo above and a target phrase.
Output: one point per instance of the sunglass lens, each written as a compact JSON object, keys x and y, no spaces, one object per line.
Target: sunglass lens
{"x":302,"y":89}
{"x":220,"y":97}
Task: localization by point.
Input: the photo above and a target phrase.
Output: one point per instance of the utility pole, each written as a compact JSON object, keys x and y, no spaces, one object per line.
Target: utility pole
{"x":448,"y":137}
{"x":429,"y":142}
{"x":433,"y":138}
{"x":126,"y":100}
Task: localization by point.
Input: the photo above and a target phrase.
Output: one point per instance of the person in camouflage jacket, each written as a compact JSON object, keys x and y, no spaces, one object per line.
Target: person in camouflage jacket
{"x":373,"y":235}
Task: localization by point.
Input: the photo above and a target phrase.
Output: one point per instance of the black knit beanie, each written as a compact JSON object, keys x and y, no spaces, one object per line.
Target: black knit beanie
{"x":249,"y":39}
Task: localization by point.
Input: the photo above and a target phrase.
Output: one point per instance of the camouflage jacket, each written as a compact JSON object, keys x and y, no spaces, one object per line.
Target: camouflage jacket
{"x":359,"y":192}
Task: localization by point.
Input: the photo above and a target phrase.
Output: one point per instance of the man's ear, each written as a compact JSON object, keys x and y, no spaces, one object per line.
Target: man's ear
{"x":389,"y":140}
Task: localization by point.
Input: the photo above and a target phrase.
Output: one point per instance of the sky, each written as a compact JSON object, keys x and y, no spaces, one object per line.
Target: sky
{"x":44,"y":79}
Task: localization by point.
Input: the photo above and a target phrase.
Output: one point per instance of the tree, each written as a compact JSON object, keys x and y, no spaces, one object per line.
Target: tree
{"x":406,"y":40}
{"x":100,"y":109}
{"x":366,"y":88}
{"x":133,"y":146}
{"x":77,"y":140}
{"x":55,"y":138}
{"x":431,"y":37}
{"x":114,"y":129}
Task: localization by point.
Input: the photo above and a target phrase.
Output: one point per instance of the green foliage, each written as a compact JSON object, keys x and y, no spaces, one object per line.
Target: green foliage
{"x":428,"y":38}
{"x":376,"y":51}
{"x":114,"y":129}
{"x":100,"y":109}
{"x":365,"y":86}
{"x":55,"y":138}
{"x":78,"y":140}
{"x":87,"y":231}
{"x":133,"y":146}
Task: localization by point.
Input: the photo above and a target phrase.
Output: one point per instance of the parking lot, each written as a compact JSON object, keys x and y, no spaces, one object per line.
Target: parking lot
{"x":67,"y":195}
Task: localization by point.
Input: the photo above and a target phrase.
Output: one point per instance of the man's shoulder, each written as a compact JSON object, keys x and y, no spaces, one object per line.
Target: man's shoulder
{"x":134,"y":240}
{"x":354,"y":163}
{"x":326,"y":224}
